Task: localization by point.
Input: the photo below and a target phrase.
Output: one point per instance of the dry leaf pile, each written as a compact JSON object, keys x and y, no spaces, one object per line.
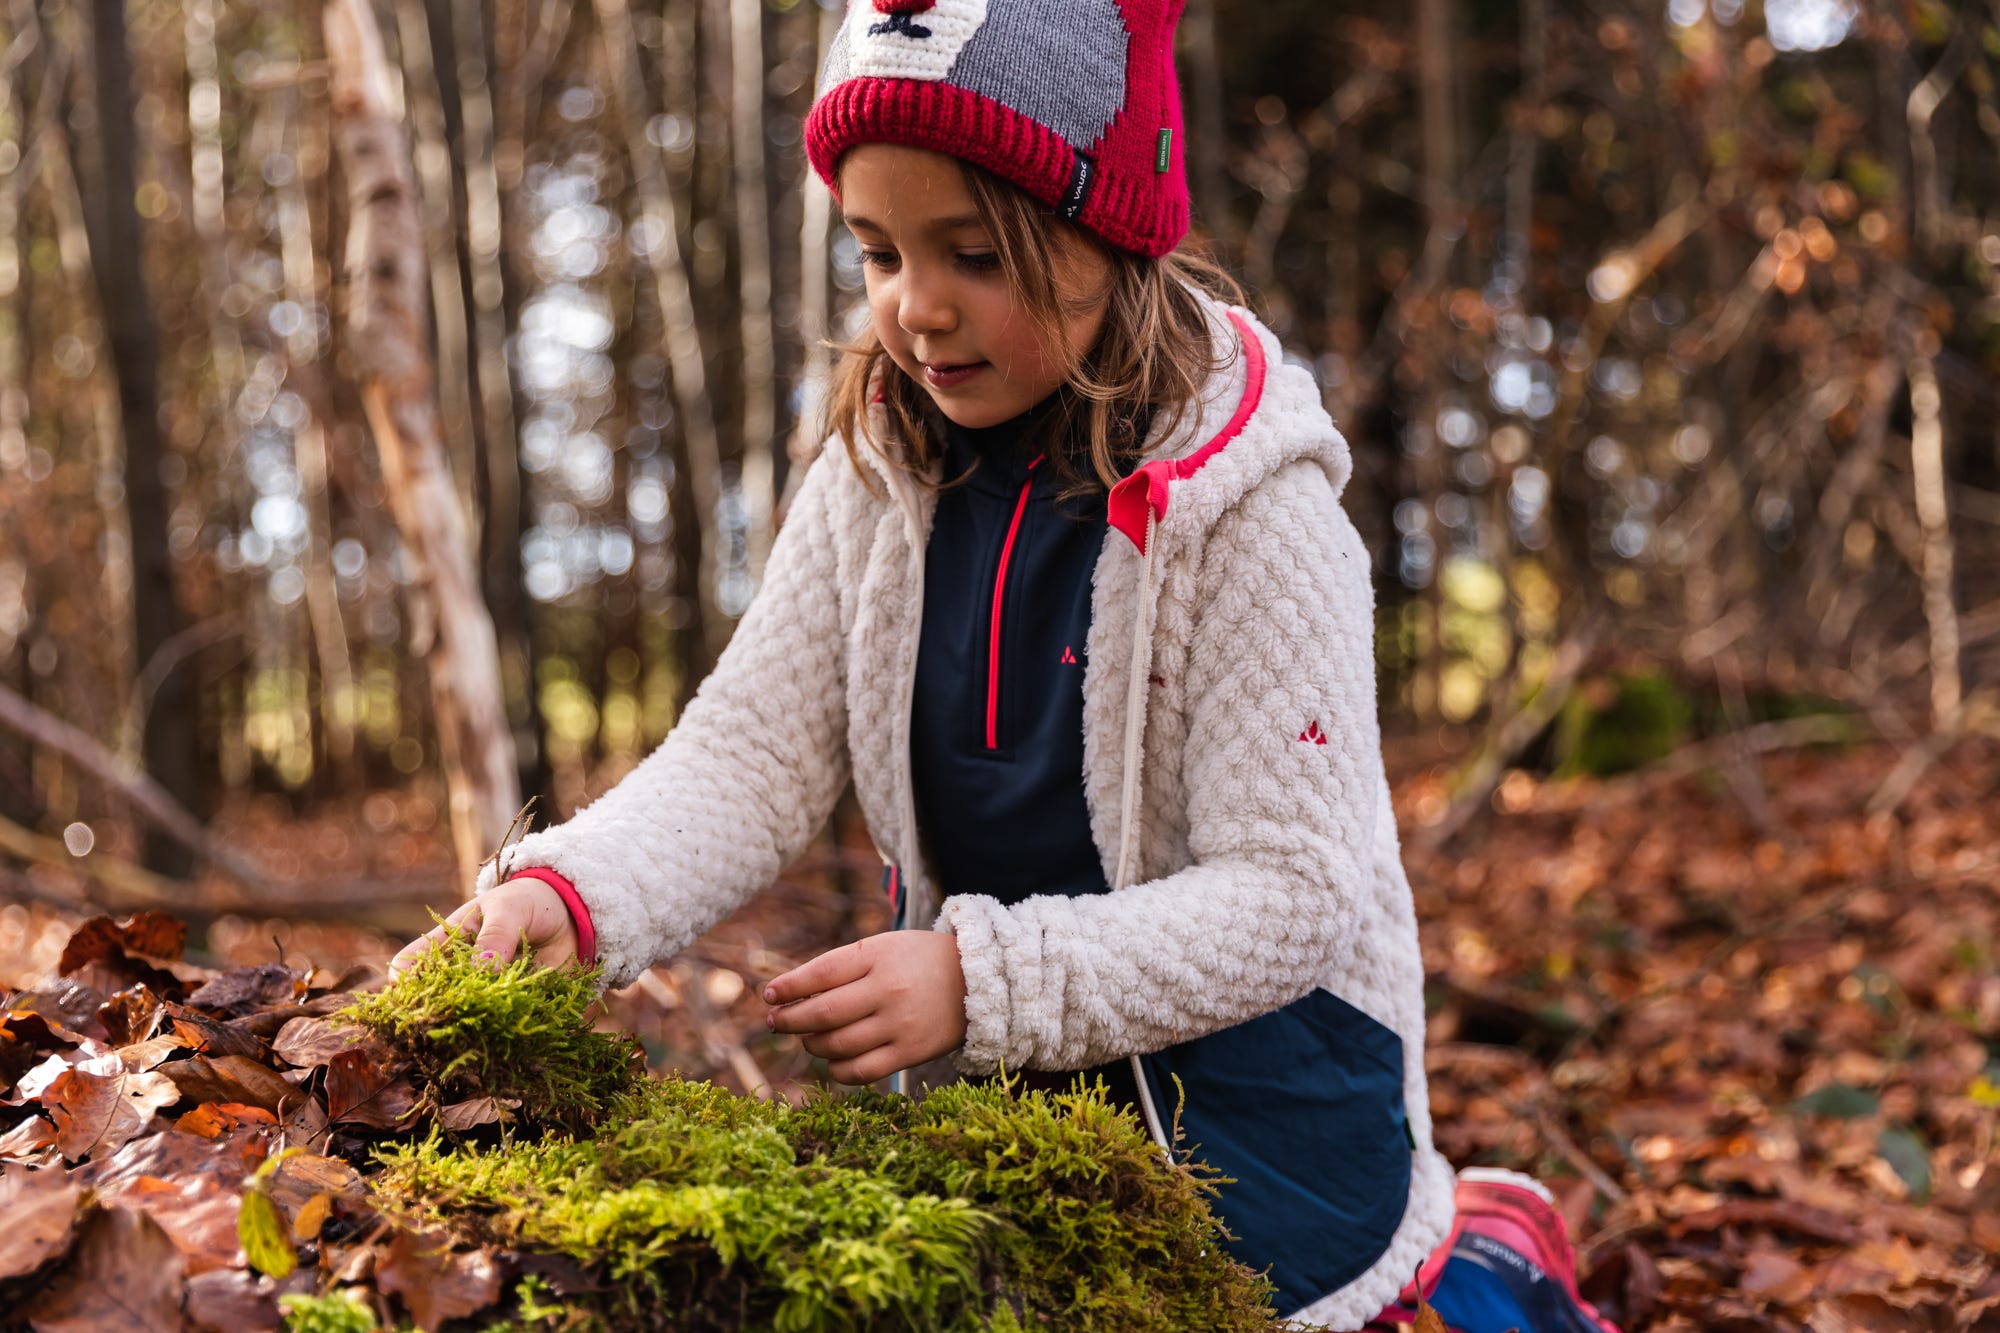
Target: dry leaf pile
{"x":202,"y":1150}
{"x":1748,"y":1031}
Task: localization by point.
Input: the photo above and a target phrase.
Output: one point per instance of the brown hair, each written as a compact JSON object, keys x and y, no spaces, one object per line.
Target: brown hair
{"x":1145,"y":371}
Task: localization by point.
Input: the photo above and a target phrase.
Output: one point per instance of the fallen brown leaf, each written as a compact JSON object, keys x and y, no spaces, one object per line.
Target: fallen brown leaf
{"x":211,"y":1120}
{"x":215,"y":1036}
{"x":231,"y":1078}
{"x":40,"y":1208}
{"x":244,"y":990}
{"x":131,"y":1015}
{"x":360,"y":1089}
{"x":233,"y":1301}
{"x":436,"y":1285}
{"x":124,"y":1275}
{"x":306,"y":1042}
{"x":101,"y":1113}
{"x":27,"y":1139}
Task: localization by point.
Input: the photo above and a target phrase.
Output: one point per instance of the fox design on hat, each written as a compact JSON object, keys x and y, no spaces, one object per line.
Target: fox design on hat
{"x":1074,"y":101}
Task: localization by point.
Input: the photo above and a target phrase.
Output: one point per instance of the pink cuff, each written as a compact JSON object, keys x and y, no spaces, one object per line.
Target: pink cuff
{"x":579,"y":915}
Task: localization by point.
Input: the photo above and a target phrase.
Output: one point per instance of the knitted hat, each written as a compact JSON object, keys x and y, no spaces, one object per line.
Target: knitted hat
{"x":1075,"y":101}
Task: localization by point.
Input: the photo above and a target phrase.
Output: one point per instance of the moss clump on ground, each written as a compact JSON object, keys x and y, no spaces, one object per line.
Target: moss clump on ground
{"x":514,"y":1033}
{"x":692,"y":1208}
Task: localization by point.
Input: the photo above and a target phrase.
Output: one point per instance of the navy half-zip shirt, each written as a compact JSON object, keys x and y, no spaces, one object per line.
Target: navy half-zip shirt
{"x":996,"y":728}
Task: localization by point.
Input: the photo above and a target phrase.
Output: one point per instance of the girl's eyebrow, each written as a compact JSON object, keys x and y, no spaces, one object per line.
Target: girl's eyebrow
{"x":935,"y":225}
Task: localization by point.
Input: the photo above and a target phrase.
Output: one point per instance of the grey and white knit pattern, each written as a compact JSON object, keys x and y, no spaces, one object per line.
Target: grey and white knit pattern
{"x":998,"y":49}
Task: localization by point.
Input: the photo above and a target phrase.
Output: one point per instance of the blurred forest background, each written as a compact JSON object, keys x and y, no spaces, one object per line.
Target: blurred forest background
{"x":397,"y":404}
{"x":1666,"y":339}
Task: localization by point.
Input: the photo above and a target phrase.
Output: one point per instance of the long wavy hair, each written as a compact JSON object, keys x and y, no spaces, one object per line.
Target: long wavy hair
{"x":1144,"y":373}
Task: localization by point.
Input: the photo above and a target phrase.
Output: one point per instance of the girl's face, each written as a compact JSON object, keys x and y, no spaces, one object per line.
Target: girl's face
{"x":937,"y":296}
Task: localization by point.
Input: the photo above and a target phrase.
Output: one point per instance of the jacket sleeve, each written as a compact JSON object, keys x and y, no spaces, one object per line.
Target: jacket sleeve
{"x":1281,"y":827}
{"x":747,"y":775}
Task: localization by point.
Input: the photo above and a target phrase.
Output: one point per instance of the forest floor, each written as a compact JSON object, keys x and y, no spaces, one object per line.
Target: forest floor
{"x":1748,"y":1033}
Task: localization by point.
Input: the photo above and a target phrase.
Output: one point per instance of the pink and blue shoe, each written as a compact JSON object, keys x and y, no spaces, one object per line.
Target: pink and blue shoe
{"x":1506,"y":1267}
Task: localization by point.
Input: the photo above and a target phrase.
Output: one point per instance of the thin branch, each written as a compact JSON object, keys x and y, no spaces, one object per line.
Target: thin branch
{"x":146,"y":796}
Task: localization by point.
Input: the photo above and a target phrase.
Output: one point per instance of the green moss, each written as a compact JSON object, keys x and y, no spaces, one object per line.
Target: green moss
{"x":520,"y":1032}
{"x":337,"y":1312}
{"x":974,"y":1211}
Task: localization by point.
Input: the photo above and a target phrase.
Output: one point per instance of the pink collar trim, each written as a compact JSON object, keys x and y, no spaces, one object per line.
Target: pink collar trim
{"x":1148,"y":488}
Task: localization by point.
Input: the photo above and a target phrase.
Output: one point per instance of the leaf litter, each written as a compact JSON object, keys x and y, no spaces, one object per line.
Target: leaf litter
{"x":1758,"y":1062}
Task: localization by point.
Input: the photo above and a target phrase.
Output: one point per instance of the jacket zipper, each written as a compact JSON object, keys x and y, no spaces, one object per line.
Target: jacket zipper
{"x":999,"y":597}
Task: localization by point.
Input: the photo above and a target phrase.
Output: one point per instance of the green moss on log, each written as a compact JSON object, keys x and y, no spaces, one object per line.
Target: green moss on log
{"x":977,"y":1210}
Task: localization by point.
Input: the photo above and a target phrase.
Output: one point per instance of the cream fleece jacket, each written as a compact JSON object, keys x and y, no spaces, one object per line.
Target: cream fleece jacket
{"x":1262,"y":857}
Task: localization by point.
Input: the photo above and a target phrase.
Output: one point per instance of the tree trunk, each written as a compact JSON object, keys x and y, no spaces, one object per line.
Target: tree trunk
{"x":681,"y":333}
{"x":388,"y":328}
{"x":169,"y":737}
{"x":753,"y":239}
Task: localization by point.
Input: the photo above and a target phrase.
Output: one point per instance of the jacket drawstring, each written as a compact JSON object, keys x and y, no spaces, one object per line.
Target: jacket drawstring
{"x":1128,"y":820}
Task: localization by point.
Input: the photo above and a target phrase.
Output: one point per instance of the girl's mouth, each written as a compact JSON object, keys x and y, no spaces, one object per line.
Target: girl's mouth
{"x":950,"y":377}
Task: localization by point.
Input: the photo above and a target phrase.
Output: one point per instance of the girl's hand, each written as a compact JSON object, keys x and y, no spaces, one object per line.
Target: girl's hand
{"x":499,"y":917}
{"x":875,"y":1006}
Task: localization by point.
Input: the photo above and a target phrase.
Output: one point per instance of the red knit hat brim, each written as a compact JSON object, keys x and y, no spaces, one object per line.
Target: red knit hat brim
{"x":959,"y":123}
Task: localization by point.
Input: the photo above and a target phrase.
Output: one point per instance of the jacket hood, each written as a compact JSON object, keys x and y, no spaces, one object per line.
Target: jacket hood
{"x":1257,"y":413}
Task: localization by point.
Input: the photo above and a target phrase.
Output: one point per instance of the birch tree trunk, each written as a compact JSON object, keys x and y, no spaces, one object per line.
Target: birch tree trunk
{"x":388,"y":342}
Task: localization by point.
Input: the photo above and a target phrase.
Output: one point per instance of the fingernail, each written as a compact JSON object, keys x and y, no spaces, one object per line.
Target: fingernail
{"x":771,"y":1022}
{"x":488,"y":953}
{"x":770,"y":995}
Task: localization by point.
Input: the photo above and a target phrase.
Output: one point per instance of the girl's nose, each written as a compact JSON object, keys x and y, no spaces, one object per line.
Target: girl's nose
{"x":925,"y":307}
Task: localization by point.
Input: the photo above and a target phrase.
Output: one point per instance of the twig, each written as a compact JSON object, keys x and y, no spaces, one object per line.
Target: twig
{"x":1512,"y":736}
{"x":148,"y":797}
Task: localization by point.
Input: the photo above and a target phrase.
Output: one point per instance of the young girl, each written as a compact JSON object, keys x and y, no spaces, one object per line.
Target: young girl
{"x":1073,"y":601}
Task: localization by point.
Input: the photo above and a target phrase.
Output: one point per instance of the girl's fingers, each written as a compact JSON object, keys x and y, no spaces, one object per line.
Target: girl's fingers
{"x":848,"y":1042}
{"x":466,"y":917}
{"x":823,"y":1012}
{"x":836,"y":967}
{"x":871,"y":1067}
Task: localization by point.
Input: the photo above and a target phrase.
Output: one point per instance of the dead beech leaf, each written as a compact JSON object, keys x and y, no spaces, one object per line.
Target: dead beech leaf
{"x":90,"y":1058}
{"x":149,"y":1054}
{"x":435,"y":1285}
{"x":461,"y":1116}
{"x":311,"y":1216}
{"x":214,"y":1036}
{"x":231,"y":1078}
{"x":108,"y":956}
{"x":24,"y":1037}
{"x":306,"y":1123}
{"x":245,"y":990}
{"x":154,"y":934}
{"x":123,"y":1275}
{"x":211,"y":1120}
{"x":131,"y":1015}
{"x":1427,"y":1319}
{"x":303,"y":1176}
{"x":102,"y":1113}
{"x":27,"y":1140}
{"x":198,"y":1215}
{"x":362,"y":1090}
{"x":267,"y":1023}
{"x":40,"y":1208}
{"x":306,"y":1042}
{"x":70,"y":1006}
{"x":230,"y":1300}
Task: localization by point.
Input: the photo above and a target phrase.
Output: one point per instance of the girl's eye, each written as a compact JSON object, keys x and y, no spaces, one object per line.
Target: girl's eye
{"x":980,"y":261}
{"x":879,"y":258}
